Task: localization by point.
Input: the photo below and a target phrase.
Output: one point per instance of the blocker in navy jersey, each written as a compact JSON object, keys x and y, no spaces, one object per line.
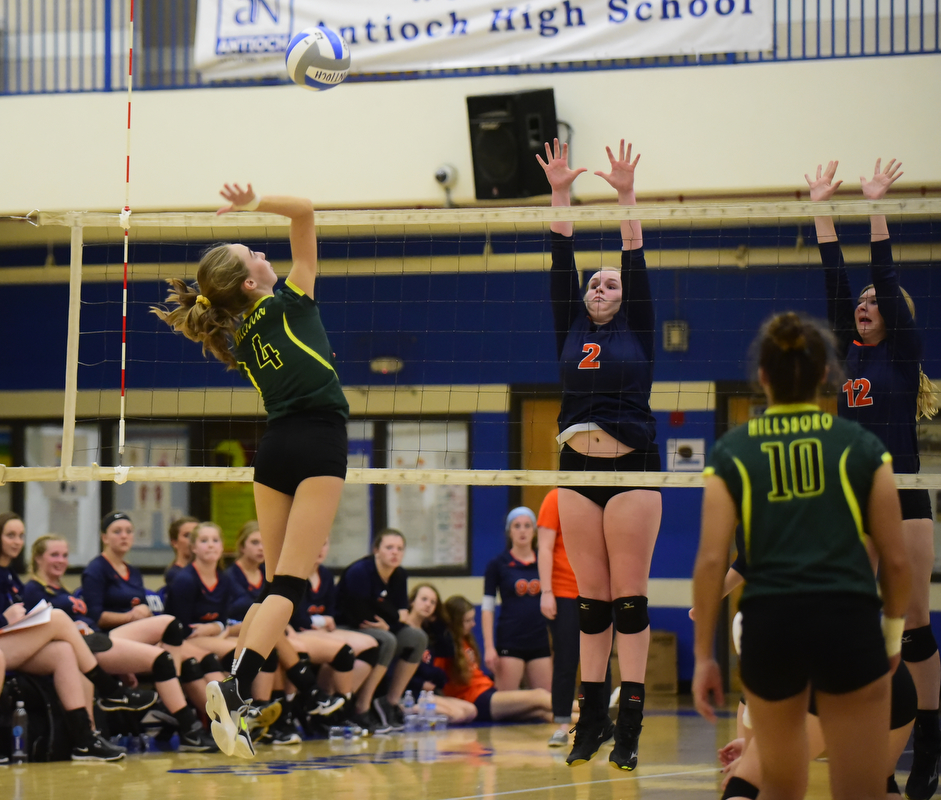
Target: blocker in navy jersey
{"x":606,"y":370}
{"x":880,"y":391}
{"x":192,"y":602}
{"x":104,"y":589}
{"x":520,"y":625}
{"x":61,"y":598}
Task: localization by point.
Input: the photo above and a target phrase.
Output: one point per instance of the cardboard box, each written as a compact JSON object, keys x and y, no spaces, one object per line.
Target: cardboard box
{"x":661,"y":665}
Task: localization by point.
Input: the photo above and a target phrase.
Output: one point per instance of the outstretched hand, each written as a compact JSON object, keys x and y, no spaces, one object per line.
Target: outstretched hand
{"x":882,"y":179}
{"x":823,"y":187}
{"x":621,"y":176}
{"x":237,"y":197}
{"x":556,"y":166}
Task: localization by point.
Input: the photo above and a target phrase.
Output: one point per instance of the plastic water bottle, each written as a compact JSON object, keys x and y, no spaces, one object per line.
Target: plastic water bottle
{"x":430,"y":712}
{"x":20,"y":750}
{"x":343,"y":732}
{"x":412,"y":723}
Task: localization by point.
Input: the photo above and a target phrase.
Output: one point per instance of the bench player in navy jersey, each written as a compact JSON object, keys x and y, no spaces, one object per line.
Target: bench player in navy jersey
{"x":885,"y":391}
{"x":276,"y":340}
{"x":521,"y":644}
{"x":605,"y":342}
{"x":116,"y":651}
{"x":179,"y":535}
{"x":807,"y":488}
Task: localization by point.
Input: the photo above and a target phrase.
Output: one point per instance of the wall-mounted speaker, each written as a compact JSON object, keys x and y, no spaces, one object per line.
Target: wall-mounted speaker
{"x":506,"y":132}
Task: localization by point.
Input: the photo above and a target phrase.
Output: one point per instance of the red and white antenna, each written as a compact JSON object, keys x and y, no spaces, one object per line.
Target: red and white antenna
{"x":126,"y":222}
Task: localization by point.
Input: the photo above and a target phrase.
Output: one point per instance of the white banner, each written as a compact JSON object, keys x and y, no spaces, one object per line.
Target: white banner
{"x":247,"y":38}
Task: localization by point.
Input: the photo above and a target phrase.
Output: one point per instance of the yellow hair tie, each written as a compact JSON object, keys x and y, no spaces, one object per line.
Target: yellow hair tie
{"x":203,"y":300}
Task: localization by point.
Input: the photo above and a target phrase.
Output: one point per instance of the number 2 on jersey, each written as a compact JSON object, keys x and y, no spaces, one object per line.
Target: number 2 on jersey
{"x":265,"y":353}
{"x":857,"y":392}
{"x":590,"y":361}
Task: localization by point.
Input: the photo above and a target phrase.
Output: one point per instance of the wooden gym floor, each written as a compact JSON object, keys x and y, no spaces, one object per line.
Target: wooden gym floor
{"x":511,"y":762}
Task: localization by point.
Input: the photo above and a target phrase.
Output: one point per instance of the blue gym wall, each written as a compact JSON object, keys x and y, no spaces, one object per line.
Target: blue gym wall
{"x":459,"y":328}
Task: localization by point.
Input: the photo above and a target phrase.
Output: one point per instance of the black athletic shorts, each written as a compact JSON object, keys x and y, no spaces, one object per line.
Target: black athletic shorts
{"x":636,"y":461}
{"x":525,"y":655}
{"x":830,"y":640}
{"x":483,"y":705}
{"x":301,"y":446}
{"x":916,"y":504}
{"x":904,"y":699}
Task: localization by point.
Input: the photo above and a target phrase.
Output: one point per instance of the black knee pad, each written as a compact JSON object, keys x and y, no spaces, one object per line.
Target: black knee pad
{"x":630,"y":614}
{"x":370,"y":656}
{"x":904,"y":699}
{"x":918,"y":644}
{"x":210,"y":663}
{"x":891,"y":787}
{"x":227,"y":661}
{"x":739,"y":787}
{"x":190,"y":671}
{"x":594,"y":616}
{"x":343,"y":661}
{"x":290,"y":587}
{"x":163,"y":668}
{"x":175,"y":633}
{"x":271,"y":663}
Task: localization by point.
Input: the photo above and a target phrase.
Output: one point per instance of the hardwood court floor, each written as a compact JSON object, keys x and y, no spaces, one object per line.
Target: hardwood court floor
{"x":502,"y":762}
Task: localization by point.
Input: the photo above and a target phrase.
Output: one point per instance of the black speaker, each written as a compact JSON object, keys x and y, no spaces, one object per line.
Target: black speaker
{"x":506,"y":132}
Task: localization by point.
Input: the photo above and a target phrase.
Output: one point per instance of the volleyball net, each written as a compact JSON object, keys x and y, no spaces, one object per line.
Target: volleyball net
{"x":442,"y":329}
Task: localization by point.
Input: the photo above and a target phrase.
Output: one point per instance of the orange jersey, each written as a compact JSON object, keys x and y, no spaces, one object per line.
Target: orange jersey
{"x":563,"y":579}
{"x":479,"y":683}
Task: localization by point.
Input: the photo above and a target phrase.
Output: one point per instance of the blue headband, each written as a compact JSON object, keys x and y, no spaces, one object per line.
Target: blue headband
{"x":520,"y":511}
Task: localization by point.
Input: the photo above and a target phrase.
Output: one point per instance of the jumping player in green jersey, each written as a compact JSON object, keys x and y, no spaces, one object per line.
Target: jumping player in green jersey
{"x":811,"y":492}
{"x":276,"y":340}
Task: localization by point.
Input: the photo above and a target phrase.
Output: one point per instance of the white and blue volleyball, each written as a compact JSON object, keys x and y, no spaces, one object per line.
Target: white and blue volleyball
{"x":317,"y":59}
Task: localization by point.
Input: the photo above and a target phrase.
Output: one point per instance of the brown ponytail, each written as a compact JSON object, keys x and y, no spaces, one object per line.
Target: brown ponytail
{"x":794,"y":353}
{"x":212,"y":312}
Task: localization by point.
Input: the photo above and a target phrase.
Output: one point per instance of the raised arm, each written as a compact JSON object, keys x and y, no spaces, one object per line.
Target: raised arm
{"x":621,"y":178}
{"x":303,"y":231}
{"x":840,"y":301}
{"x":560,"y":177}
{"x":875,"y":189}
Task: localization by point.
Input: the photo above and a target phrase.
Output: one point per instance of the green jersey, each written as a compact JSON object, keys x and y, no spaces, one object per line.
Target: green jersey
{"x":800,"y":479}
{"x":282,"y":348}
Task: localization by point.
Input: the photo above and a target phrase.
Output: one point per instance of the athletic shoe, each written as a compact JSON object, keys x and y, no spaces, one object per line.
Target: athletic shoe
{"x":589,"y":736}
{"x":197,"y":740}
{"x":389,"y":714}
{"x":283,"y":732}
{"x":227,"y":711}
{"x":322,"y":704}
{"x":263,"y":716}
{"x":98,"y":749}
{"x":559,"y":739}
{"x":370,"y":723}
{"x":923,"y":779}
{"x":128,"y":700}
{"x":626,"y":738}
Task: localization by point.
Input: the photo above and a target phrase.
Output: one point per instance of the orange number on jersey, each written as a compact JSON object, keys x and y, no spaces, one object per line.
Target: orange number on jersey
{"x":590,"y":361}
{"x":861,"y":387}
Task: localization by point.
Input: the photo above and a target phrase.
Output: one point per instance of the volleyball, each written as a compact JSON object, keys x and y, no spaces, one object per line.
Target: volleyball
{"x":317,"y":59}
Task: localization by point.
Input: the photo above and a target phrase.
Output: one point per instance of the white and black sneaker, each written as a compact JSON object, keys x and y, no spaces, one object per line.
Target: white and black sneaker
{"x":97,"y":749}
{"x":197,"y":740}
{"x":227,"y":710}
{"x":322,"y":704}
{"x":389,"y":713}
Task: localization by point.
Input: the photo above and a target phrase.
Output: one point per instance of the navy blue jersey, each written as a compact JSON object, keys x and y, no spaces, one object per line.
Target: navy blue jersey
{"x":11,"y":589}
{"x":60,"y":598}
{"x":362,"y":595}
{"x":192,"y":602}
{"x":104,"y":589}
{"x":317,"y":602}
{"x":440,"y":645}
{"x":244,"y":594}
{"x":172,"y":571}
{"x":520,"y":625}
{"x":606,"y":370}
{"x":881,"y":383}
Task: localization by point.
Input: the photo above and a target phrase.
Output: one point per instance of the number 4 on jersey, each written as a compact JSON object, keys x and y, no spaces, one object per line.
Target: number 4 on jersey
{"x":857,"y":392}
{"x":265,"y":353}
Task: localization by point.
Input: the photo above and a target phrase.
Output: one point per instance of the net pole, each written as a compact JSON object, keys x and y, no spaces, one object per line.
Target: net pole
{"x":71,"y":350}
{"x":125,"y":219}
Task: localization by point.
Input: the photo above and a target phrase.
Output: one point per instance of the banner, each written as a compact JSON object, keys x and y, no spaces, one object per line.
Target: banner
{"x":247,"y":38}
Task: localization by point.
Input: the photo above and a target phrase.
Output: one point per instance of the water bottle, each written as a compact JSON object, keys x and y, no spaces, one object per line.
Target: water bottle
{"x":20,"y":752}
{"x":430,"y":712}
{"x":410,"y":713}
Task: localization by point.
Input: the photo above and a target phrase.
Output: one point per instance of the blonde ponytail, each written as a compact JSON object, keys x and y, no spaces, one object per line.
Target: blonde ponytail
{"x":927,"y":397}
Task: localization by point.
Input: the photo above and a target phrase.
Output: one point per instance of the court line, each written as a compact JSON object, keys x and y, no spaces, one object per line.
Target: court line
{"x":480,"y":795}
